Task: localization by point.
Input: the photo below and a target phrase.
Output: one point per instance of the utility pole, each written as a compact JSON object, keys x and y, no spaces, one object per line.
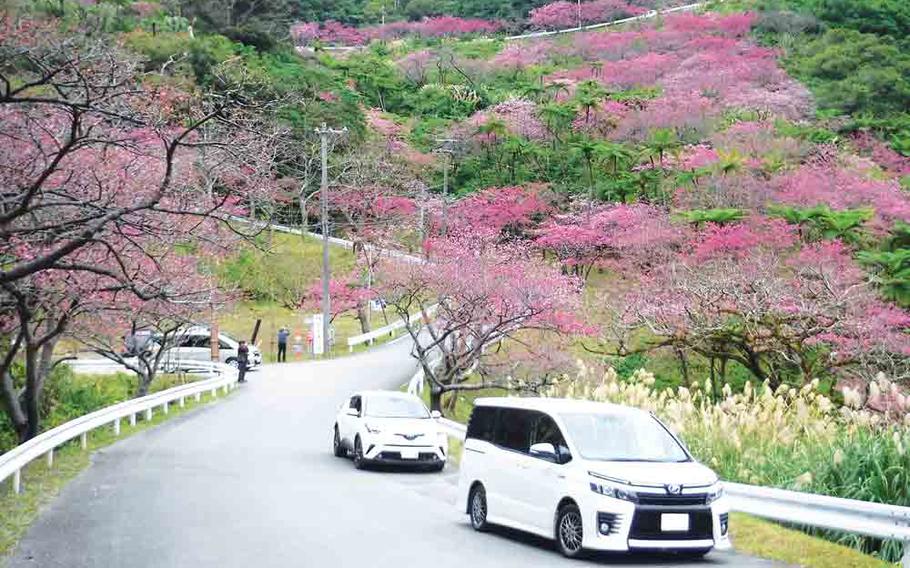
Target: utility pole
{"x":324,"y":132}
{"x":578,"y":13}
{"x":445,"y":148}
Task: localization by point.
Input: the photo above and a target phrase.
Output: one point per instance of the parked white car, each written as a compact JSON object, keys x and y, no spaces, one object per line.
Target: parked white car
{"x":195,"y":344}
{"x":386,"y":427}
{"x":591,"y":476}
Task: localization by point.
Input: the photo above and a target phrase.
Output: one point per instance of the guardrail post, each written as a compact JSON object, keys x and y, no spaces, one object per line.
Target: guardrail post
{"x":17,"y":481}
{"x":83,"y":440}
{"x":905,"y":562}
{"x":215,"y":392}
{"x":117,"y":427}
{"x":50,"y":458}
{"x":182,"y":402}
{"x":164,"y":408}
{"x":133,"y":419}
{"x":148,"y":414}
{"x":198,"y":396}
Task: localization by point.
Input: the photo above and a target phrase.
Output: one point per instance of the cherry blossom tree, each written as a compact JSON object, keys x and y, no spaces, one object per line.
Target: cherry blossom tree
{"x":484,"y":295}
{"x":617,"y":236}
{"x":510,"y":210}
{"x":104,"y":174}
{"x":563,"y":14}
{"x":777,"y":312}
{"x":182,"y":296}
{"x":347,"y":294}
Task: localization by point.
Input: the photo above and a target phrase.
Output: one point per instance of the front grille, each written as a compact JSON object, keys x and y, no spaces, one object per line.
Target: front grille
{"x":612,"y":522}
{"x":672,"y":500}
{"x":646,"y":525}
{"x":422,"y":456}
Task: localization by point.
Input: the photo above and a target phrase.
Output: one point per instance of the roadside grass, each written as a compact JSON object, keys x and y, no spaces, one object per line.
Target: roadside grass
{"x":41,"y":484}
{"x":767,"y":539}
{"x":456,"y":447}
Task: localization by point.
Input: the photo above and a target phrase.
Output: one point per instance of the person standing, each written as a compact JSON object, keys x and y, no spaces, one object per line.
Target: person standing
{"x":243,"y":361}
{"x":283,"y":334}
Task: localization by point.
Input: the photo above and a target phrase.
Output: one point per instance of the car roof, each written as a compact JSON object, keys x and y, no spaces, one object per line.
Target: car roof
{"x":557,"y":405}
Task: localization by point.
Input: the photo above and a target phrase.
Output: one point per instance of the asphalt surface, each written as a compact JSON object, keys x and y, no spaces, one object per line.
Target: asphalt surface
{"x":251,"y":481}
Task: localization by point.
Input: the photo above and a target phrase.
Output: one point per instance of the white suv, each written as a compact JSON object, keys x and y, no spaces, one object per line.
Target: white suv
{"x":385,"y":427}
{"x":592,"y":476}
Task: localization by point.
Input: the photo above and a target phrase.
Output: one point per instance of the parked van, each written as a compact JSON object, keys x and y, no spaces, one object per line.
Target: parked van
{"x":589,"y":475}
{"x":195,"y":344}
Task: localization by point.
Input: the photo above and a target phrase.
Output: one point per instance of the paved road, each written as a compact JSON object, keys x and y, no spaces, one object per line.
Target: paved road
{"x":250,"y":481}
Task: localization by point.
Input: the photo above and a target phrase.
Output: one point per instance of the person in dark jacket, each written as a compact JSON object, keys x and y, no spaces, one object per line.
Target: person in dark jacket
{"x":243,"y":361}
{"x":283,"y":334}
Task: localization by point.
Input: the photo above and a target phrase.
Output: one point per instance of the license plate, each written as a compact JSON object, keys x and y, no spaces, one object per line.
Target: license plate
{"x":410,"y":454}
{"x":674,"y":522}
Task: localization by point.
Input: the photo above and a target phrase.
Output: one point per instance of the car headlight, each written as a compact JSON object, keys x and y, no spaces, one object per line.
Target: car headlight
{"x":715,"y":492}
{"x":614,"y":492}
{"x":372,"y":430}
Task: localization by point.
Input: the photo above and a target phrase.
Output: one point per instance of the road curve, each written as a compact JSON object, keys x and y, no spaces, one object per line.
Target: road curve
{"x":251,"y":481}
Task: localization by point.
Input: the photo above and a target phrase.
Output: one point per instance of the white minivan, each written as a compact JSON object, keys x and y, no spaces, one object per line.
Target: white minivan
{"x":592,"y":476}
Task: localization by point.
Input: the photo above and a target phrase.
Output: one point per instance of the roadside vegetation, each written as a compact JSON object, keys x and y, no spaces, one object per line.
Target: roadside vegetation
{"x":69,"y":395}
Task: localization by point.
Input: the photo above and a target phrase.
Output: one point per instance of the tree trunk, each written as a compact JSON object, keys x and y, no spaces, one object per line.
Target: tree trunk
{"x":12,"y":405}
{"x":713,"y":379}
{"x":145,"y":381}
{"x":32,"y":394}
{"x":435,"y":398}
{"x":683,"y":366}
{"x":364,"y":317}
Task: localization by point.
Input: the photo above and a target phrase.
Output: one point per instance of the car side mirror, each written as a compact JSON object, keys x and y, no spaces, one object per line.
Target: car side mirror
{"x":435,"y":414}
{"x":544,"y":451}
{"x":352,"y":412}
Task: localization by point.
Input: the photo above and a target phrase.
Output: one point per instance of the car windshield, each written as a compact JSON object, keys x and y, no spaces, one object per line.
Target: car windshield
{"x":395,"y":407}
{"x":622,"y":437}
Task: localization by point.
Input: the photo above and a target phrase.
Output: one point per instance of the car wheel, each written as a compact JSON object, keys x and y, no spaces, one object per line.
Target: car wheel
{"x":359,"y":462}
{"x":477,"y":508}
{"x":569,"y":531}
{"x":233,"y":363}
{"x":337,"y":446}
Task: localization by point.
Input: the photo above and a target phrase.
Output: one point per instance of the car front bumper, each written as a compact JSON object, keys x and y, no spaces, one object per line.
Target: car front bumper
{"x":397,"y":454}
{"x":632,"y":527}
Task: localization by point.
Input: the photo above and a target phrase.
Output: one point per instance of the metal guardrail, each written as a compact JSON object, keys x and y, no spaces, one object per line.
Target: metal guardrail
{"x":645,"y":16}
{"x":223,"y":378}
{"x":387,"y":330}
{"x":877,"y":520}
{"x":343,"y":243}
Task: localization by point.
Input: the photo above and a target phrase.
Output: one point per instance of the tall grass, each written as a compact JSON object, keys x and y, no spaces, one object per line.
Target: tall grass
{"x":790,"y":438}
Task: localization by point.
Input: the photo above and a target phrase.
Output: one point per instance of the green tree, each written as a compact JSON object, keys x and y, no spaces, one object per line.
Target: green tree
{"x":700,"y":217}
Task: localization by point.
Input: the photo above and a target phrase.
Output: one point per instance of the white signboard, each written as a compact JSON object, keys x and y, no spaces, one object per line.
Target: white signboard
{"x":318,"y":339}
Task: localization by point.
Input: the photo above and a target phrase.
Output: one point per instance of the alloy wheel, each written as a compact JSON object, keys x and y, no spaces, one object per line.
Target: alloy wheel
{"x":479,"y":509}
{"x":570,"y":531}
